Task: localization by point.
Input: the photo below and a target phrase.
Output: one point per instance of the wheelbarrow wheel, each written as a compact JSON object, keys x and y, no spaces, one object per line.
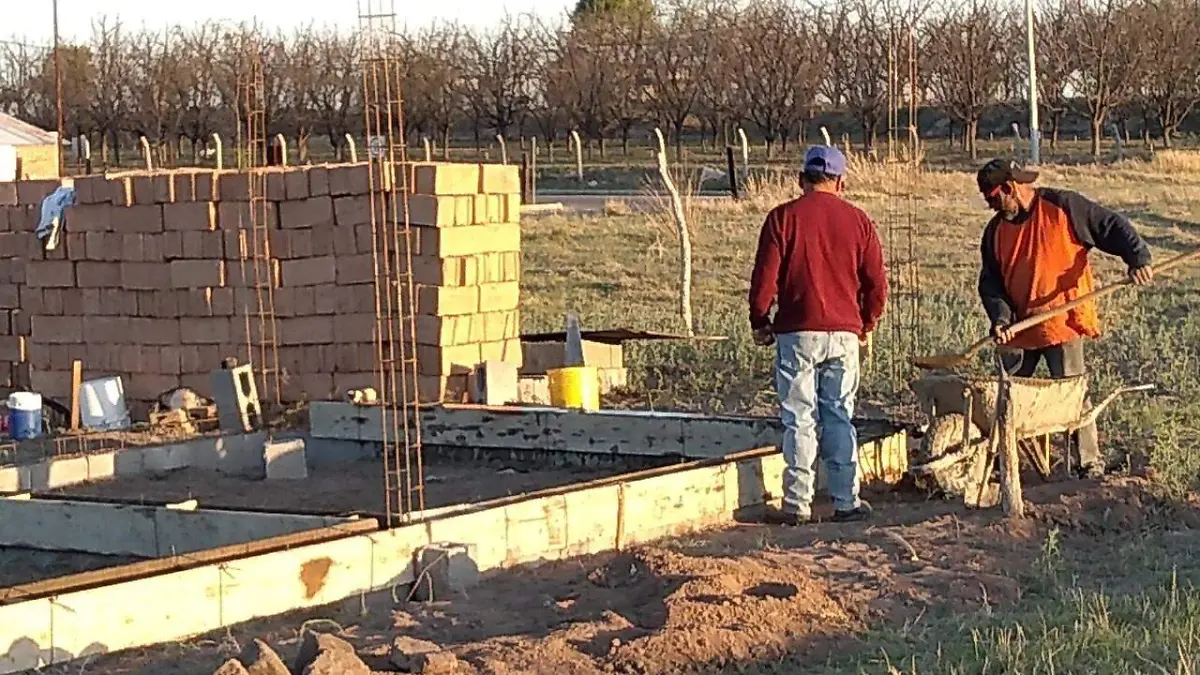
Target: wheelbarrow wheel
{"x":943,"y":465}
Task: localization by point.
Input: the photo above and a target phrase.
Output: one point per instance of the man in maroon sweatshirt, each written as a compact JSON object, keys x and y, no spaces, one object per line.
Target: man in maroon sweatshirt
{"x":819,"y":260}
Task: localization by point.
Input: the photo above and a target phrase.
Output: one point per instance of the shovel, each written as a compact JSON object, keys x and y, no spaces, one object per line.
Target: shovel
{"x":944,"y":361}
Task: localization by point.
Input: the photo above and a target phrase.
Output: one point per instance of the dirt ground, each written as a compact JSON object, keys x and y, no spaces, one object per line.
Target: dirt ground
{"x":746,"y":594}
{"x":345,"y":487}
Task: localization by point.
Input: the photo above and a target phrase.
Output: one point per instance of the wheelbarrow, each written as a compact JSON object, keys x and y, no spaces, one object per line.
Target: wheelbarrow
{"x":955,"y":454}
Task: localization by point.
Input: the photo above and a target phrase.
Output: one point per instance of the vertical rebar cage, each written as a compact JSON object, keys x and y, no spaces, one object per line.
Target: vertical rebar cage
{"x":390,"y":176}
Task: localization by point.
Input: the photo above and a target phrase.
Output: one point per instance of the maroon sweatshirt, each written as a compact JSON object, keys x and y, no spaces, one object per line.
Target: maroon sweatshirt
{"x":820,"y":259}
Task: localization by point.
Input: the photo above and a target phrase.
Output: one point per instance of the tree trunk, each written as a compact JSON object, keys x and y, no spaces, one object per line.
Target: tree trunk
{"x":1055,"y":126}
{"x":970,"y":137}
{"x":1097,"y":134}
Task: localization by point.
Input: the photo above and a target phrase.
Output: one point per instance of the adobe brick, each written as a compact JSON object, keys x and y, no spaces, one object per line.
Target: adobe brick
{"x":355,"y":328}
{"x":449,"y":330}
{"x":307,"y":330}
{"x":74,"y":245}
{"x":303,"y":213}
{"x":498,"y":326}
{"x":190,"y":216}
{"x":97,"y":274}
{"x":445,"y":178}
{"x":447,"y":301}
{"x":140,"y":218}
{"x":499,"y":297}
{"x":499,"y":179}
{"x":145,"y":275}
{"x":143,"y":189}
{"x":50,"y":274}
{"x":38,"y":354}
{"x":233,"y":186}
{"x":349,"y":179}
{"x":205,"y":185}
{"x":197,"y":273}
{"x":495,"y":209}
{"x":8,"y":194}
{"x":325,"y":299}
{"x":57,"y":330}
{"x":220,"y":302}
{"x":459,"y":359}
{"x":469,"y":240}
{"x":512,"y":208}
{"x":351,"y":211}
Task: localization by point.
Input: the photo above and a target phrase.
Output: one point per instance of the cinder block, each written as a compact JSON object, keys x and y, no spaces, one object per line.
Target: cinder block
{"x":120,"y":190}
{"x":443,"y":388}
{"x":311,"y":212}
{"x":318,"y":181}
{"x":234,"y":215}
{"x":197,"y":273}
{"x":253,"y":274}
{"x":499,"y":297}
{"x":349,"y":179}
{"x":197,"y":244}
{"x":273,"y":182}
{"x":295,"y":183}
{"x":308,"y":330}
{"x":138,"y":218}
{"x":445,"y":571}
{"x":215,"y":330}
{"x":351,"y":211}
{"x":499,"y":326}
{"x":183,"y":187}
{"x":32,"y":192}
{"x":58,"y":329}
{"x":233,"y":186}
{"x":512,"y":208}
{"x":447,"y":301}
{"x":145,"y":275}
{"x":285,"y":460}
{"x":88,"y":190}
{"x":456,"y":360}
{"x":499,"y":179}
{"x":50,"y":274}
{"x":432,"y":210}
{"x":354,"y":269}
{"x":90,"y":217}
{"x":352,"y":328}
{"x":97,"y":274}
{"x":469,"y":240}
{"x":449,"y":330}
{"x":354,"y":298}
{"x":309,"y":271}
{"x":8,"y":194}
{"x":447,"y":179}
{"x":205,"y":185}
{"x":190,"y":216}
{"x":164,"y":188}
{"x":236,"y":395}
{"x":143,"y":189}
{"x":494,"y":383}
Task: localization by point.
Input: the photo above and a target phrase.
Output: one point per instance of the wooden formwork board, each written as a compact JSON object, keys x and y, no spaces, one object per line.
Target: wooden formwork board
{"x":551,"y":525}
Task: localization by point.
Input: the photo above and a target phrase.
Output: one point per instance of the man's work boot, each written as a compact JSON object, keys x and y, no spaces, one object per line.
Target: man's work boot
{"x":1093,"y":471}
{"x":862,"y":512}
{"x":775,"y":516}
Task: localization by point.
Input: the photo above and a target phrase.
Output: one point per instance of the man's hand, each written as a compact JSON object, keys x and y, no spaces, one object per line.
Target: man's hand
{"x":1001,"y":334}
{"x":866,"y":348}
{"x":1141,"y":276}
{"x":763,"y":337}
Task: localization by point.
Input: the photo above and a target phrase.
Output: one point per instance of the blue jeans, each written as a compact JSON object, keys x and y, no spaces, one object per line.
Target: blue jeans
{"x":816,"y":377}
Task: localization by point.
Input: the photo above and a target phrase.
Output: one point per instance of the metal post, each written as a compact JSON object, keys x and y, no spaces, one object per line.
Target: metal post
{"x":1034,"y":135}
{"x":58,"y":87}
{"x":732,"y":170}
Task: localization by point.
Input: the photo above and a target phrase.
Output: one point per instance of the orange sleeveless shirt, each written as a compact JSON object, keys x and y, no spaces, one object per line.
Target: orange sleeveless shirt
{"x":1045,"y":266}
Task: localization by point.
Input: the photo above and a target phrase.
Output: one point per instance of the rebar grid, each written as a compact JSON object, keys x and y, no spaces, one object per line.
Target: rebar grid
{"x":395,"y":296}
{"x":904,"y":317}
{"x":254,"y":234}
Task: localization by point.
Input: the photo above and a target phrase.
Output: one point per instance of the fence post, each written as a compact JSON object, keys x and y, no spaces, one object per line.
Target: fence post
{"x":730,"y":168}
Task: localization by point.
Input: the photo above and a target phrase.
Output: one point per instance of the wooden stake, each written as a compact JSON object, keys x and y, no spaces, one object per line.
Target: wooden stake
{"x":685,"y":242}
{"x":76,"y":384}
{"x":1010,"y":459}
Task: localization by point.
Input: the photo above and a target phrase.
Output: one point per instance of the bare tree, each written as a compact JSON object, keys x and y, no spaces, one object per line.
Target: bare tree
{"x":1057,"y":60}
{"x":681,"y":45}
{"x":962,"y":68}
{"x":501,"y":73}
{"x":1111,"y":53}
{"x":336,"y":91}
{"x":199,"y":92}
{"x":1171,"y":88}
{"x":153,"y":71}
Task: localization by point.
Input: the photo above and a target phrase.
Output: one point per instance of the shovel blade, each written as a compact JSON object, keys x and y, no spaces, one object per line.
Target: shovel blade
{"x":940,"y":361}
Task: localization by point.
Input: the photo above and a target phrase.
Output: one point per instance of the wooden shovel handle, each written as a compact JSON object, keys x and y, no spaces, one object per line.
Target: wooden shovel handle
{"x":1030,"y":322}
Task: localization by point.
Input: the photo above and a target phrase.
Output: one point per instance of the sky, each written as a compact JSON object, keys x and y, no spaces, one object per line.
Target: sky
{"x":34,"y":23}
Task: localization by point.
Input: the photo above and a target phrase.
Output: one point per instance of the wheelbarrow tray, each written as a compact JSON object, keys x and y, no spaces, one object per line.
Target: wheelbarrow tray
{"x":1038,"y":404}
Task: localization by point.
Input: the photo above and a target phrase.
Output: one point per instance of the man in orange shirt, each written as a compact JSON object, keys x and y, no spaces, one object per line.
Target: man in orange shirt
{"x":1035,"y":258}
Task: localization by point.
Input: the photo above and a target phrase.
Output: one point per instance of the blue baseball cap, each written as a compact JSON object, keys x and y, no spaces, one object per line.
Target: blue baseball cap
{"x":825,"y":159}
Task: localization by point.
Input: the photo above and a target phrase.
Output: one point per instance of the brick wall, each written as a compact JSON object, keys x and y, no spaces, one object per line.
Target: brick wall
{"x":148,"y":281}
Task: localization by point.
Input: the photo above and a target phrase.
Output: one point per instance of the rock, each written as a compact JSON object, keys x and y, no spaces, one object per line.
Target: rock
{"x":263,"y":660}
{"x":435,"y":663}
{"x":410,"y":654}
{"x":231,"y":667}
{"x":327,"y":654}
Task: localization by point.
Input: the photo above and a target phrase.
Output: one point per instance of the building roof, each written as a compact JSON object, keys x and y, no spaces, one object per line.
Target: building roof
{"x":15,"y":132}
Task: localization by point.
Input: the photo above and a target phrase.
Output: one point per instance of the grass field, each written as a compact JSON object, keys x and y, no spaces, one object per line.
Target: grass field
{"x":1101,"y":602}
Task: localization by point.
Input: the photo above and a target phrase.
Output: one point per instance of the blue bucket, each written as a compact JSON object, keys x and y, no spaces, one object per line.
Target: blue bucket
{"x":24,"y":415}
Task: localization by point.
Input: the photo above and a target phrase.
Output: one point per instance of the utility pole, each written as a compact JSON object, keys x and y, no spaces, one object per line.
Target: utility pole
{"x":1034,"y":135}
{"x":58,"y":86}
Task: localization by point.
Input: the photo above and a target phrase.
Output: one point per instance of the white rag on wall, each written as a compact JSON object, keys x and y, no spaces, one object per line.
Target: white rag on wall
{"x":54,"y":215}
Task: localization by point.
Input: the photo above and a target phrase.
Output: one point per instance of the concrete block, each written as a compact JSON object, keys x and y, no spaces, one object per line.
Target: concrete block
{"x":447,"y":179}
{"x":285,"y":460}
{"x":236,"y":395}
{"x":165,"y":458}
{"x":535,"y":389}
{"x":444,"y":570}
{"x":495,"y":383}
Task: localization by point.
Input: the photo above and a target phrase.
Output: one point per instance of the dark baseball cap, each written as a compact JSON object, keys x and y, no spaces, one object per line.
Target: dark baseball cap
{"x":1000,"y":171}
{"x":825,"y":159}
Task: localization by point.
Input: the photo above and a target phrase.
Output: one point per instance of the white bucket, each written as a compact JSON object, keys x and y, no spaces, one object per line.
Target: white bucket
{"x":25,"y":401}
{"x":102,"y":404}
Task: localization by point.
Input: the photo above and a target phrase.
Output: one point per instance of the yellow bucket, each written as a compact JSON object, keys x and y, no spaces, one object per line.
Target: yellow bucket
{"x":575,"y":387}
